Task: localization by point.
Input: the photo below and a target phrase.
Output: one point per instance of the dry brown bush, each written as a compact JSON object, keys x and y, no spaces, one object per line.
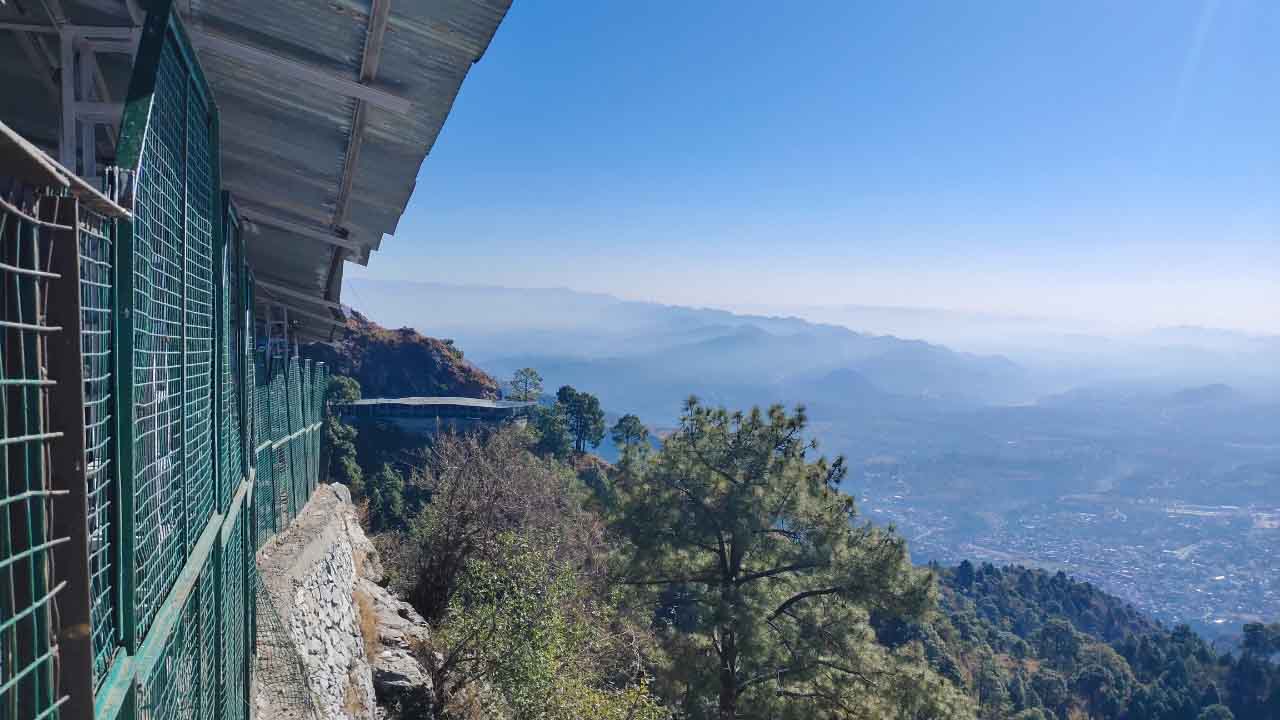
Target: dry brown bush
{"x":368,"y":621}
{"x":481,"y":486}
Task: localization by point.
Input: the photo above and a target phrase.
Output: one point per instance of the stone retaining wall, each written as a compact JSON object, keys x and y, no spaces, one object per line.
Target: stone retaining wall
{"x":313,"y":573}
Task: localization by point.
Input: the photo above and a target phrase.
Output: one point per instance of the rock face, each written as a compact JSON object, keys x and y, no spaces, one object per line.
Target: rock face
{"x":356,"y":640}
{"x":401,"y":682}
{"x":400,"y":363}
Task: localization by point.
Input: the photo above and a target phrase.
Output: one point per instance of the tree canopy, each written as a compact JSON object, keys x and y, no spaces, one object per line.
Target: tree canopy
{"x":526,"y":385}
{"x":583,"y":416}
{"x":340,"y":438}
{"x":775,"y":576}
{"x":629,"y":433}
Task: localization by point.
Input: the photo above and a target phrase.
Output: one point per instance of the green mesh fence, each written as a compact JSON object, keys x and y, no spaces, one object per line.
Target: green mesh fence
{"x":297,"y":463}
{"x":183,"y":668}
{"x":233,"y":690}
{"x":278,"y":670}
{"x":96,"y":329}
{"x":283,"y":470}
{"x":233,"y":379}
{"x":26,"y":587}
{"x":158,"y":363}
{"x":251,"y":405}
{"x":209,"y":615}
{"x":266,"y":502}
{"x":172,"y":690}
{"x":199,"y":484}
{"x":177,"y":410}
{"x":289,"y":402}
{"x":304,"y":423}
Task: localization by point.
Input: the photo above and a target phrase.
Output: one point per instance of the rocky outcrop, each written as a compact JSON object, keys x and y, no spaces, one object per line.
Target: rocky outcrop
{"x":401,"y":363}
{"x":401,"y":682}
{"x":356,"y":641}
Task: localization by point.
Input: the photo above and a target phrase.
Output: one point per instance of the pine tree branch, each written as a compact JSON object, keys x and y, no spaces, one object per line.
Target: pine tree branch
{"x":776,"y":571}
{"x":801,"y":596}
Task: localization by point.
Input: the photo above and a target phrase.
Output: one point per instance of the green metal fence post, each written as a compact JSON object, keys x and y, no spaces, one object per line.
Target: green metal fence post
{"x":126,"y":504}
{"x":67,"y":465}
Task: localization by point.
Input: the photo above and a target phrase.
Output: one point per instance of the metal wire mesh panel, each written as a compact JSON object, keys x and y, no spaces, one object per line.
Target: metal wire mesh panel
{"x":304,"y":422}
{"x":26,"y":590}
{"x":279,"y":673}
{"x":297,"y":458}
{"x":208,"y":592}
{"x":229,"y":429}
{"x":172,"y":691}
{"x":251,"y":403}
{"x":233,"y":691}
{"x":265,"y":504}
{"x":283,"y":470}
{"x":96,"y":328}
{"x":322,"y":380}
{"x":198,"y":315}
{"x":158,"y":344}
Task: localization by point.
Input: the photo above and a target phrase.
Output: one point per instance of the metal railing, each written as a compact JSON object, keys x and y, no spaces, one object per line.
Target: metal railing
{"x":127,"y":568}
{"x":28,"y":584}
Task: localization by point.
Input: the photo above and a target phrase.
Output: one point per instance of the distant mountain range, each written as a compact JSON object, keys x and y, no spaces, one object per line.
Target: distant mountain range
{"x":1150,"y":461}
{"x":648,"y":358}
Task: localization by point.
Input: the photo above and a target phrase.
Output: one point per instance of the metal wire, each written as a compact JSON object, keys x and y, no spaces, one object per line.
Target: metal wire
{"x":190,"y":353}
{"x":208,"y":591}
{"x":172,"y":692}
{"x":96,"y":328}
{"x":233,"y":695}
{"x":198,"y":315}
{"x":230,"y":452}
{"x":27,"y":590}
{"x":280,"y":677}
{"x":158,"y":308}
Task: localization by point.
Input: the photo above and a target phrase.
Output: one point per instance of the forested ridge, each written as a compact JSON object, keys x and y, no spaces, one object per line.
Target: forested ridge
{"x":1027,"y":643}
{"x":726,"y":575}
{"x":400,"y":362}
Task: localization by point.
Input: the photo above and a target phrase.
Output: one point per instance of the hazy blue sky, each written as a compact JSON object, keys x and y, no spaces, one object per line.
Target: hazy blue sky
{"x":1110,"y":160}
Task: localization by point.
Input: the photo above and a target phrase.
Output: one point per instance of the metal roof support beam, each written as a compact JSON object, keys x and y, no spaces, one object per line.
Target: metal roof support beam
{"x":312,"y":212}
{"x":103,"y":113}
{"x":91,"y":115}
{"x":135,"y":12}
{"x":67,"y":142}
{"x":275,"y":289}
{"x":88,"y":126}
{"x":271,"y":62}
{"x":254,"y":217}
{"x":91,"y":32}
{"x":112,"y":46}
{"x":294,"y":311}
{"x":379,"y":13}
{"x":38,"y":61}
{"x":78,"y":40}
{"x":56,"y":12}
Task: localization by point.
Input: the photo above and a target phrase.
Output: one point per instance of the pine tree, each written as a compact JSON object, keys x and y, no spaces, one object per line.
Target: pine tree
{"x":757,"y":536}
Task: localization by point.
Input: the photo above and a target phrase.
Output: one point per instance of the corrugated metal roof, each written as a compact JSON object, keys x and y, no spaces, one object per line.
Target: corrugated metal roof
{"x":287,"y":79}
{"x":285,"y":141}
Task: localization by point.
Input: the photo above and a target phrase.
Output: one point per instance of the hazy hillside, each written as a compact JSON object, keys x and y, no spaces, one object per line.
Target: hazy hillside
{"x":1164,"y":492}
{"x":647,"y":358}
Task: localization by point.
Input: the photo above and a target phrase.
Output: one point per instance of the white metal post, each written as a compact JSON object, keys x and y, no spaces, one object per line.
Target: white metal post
{"x":88,"y":128}
{"x":67,"y":142}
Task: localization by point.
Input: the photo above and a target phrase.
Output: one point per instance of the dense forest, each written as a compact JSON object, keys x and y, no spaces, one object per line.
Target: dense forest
{"x":725,"y":575}
{"x":1029,"y":644}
